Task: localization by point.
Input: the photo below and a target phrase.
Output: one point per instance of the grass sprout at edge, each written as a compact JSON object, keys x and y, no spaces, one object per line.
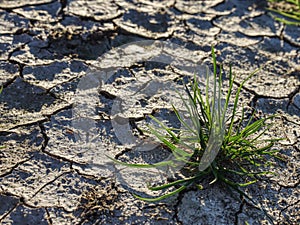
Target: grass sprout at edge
{"x":291,"y":16}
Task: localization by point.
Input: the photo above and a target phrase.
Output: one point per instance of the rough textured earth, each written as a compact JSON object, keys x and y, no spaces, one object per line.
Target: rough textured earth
{"x":50,"y":173}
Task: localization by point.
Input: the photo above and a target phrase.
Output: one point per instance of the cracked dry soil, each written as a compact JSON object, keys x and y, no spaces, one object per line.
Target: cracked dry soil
{"x":47,"y":46}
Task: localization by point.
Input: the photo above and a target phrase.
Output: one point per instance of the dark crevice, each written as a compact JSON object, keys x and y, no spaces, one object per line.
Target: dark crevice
{"x":50,"y":221}
{"x":288,"y":206}
{"x":133,"y":125}
{"x":9,"y":82}
{"x":88,"y":176}
{"x":45,"y":143}
{"x":15,"y":166}
{"x":289,"y":120}
{"x":107,"y":95}
{"x":8,"y":212}
{"x":257,"y":96}
{"x":126,"y":150}
{"x":54,"y":95}
{"x":287,"y":40}
{"x":61,"y":11}
{"x":177,"y":204}
{"x":20,"y":65}
{"x":50,"y":182}
{"x":70,"y":106}
{"x":281,"y":29}
{"x":45,"y":137}
{"x":5,"y":133}
{"x":25,"y":124}
{"x":236,"y":216}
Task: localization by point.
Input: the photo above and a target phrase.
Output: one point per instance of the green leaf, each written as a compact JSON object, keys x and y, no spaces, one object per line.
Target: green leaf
{"x":161,"y":197}
{"x":168,"y":185}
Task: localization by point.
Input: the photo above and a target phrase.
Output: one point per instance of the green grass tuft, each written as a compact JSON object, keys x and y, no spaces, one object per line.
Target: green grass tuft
{"x":213,"y":144}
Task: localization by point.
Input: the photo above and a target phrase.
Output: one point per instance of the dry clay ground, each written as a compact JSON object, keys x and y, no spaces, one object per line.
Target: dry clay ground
{"x":49,"y":175}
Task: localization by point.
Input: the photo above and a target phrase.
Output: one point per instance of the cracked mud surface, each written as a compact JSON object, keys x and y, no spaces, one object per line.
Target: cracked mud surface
{"x":49,"y":174}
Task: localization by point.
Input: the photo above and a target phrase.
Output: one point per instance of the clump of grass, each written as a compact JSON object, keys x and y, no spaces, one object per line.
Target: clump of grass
{"x":288,"y":9}
{"x":213,"y":144}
